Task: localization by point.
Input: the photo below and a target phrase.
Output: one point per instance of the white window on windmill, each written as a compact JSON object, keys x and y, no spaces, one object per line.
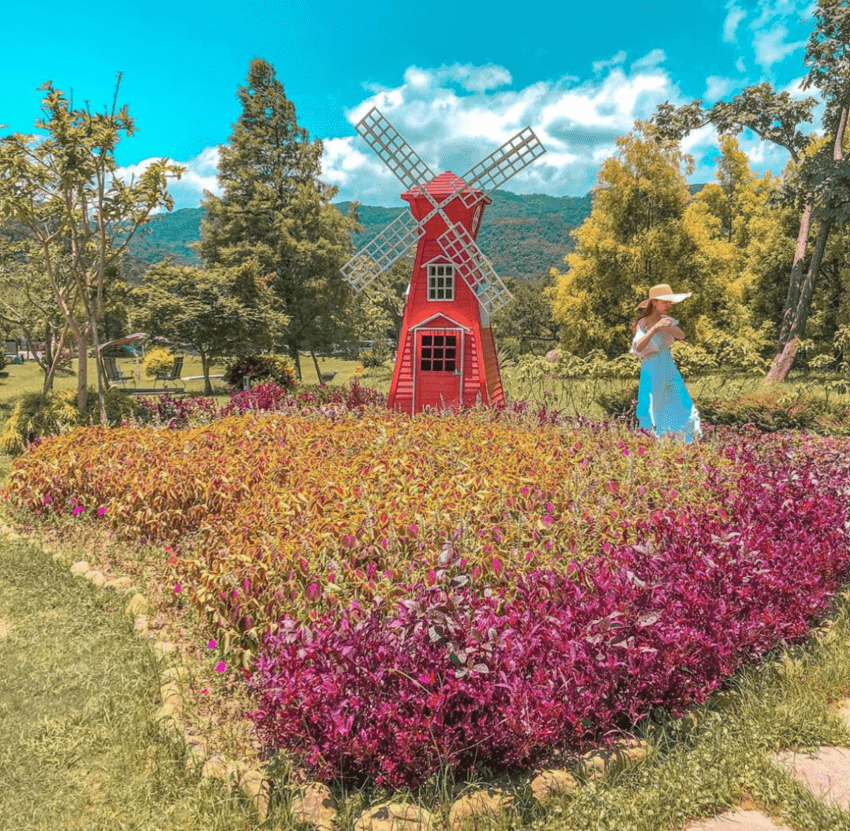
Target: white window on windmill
{"x":441,"y":282}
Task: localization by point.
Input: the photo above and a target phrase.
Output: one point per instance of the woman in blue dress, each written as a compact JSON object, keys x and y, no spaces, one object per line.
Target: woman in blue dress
{"x":664,"y":406}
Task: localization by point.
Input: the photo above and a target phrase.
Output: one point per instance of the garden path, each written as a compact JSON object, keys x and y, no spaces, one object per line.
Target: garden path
{"x":825,"y":771}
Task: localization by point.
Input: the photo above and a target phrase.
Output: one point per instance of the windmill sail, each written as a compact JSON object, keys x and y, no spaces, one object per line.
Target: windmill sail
{"x":474,"y":267}
{"x":394,"y":241}
{"x":393,"y":150}
{"x":401,"y":234}
{"x":501,"y":164}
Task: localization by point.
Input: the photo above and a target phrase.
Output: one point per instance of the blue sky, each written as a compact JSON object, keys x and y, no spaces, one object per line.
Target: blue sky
{"x":457,"y":79}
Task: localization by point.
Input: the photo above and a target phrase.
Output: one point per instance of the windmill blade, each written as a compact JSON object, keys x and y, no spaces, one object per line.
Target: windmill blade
{"x":378,"y":255}
{"x":393,"y":150}
{"x":474,"y":267}
{"x":501,"y":164}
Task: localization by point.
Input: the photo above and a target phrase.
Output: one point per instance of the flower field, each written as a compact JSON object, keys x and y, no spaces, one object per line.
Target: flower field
{"x":474,"y":589}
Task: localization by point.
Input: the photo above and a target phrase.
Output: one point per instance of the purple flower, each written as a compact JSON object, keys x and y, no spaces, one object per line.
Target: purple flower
{"x":221,"y":666}
{"x":212,"y":643}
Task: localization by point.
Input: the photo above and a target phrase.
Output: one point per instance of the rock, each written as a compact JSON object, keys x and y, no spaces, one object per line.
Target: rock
{"x":80,"y":569}
{"x":825,"y":771}
{"x":169,"y":723}
{"x":120,"y":584}
{"x":256,"y":789}
{"x":739,"y":820}
{"x":597,"y":763}
{"x":395,"y":816}
{"x":172,"y":699}
{"x":164,"y":648}
{"x":550,"y":785}
{"x":138,"y":605}
{"x":140,"y":624}
{"x":313,"y":806}
{"x":843,"y":709}
{"x":96,"y":577}
{"x":215,"y":768}
{"x":196,"y":753}
{"x":177,"y":674}
{"x":479,"y":808}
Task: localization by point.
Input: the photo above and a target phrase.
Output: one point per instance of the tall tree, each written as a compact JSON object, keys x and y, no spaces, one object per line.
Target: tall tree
{"x":65,"y":192}
{"x":217,"y":311}
{"x":275,"y":210}
{"x":643,"y":230}
{"x":527,"y":319}
{"x":820,"y":162}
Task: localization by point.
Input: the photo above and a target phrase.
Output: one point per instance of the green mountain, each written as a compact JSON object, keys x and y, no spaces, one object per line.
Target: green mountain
{"x":524,"y":236}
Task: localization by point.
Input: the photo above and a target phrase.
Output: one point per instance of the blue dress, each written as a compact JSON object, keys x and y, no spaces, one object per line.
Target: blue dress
{"x":664,"y":405}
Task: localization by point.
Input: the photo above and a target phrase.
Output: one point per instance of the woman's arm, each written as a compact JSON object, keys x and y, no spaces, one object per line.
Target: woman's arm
{"x":644,"y":342}
{"x":666,"y":325}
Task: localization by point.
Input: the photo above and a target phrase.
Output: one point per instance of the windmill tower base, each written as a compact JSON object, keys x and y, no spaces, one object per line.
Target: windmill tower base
{"x":443,"y":364}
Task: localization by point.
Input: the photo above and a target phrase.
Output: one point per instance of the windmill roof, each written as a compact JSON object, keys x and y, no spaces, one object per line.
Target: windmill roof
{"x":445,"y":185}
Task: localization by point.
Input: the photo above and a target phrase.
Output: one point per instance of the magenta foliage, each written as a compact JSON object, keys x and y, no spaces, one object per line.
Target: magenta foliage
{"x":453,"y":674}
{"x":269,"y":397}
{"x":177,"y":413}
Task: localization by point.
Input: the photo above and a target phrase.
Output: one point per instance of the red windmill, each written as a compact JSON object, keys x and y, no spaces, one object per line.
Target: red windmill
{"x":446,"y":353}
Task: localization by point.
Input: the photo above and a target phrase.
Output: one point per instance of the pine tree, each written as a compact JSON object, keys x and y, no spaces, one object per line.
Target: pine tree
{"x":275,"y":211}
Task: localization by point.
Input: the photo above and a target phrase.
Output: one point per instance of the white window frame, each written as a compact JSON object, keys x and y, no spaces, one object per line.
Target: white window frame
{"x":441,"y":282}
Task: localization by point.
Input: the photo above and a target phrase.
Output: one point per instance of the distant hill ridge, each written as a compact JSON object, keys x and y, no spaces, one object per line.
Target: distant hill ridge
{"x":523,"y":235}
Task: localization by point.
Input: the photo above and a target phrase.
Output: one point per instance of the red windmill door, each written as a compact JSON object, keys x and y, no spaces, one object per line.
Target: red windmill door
{"x":438,"y":367}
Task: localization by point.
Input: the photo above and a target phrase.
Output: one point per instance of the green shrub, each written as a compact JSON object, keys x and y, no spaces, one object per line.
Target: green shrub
{"x":279,"y":369}
{"x":780,"y":409}
{"x":377,"y":356}
{"x":619,"y":403}
{"x":36,"y":415}
{"x":157,"y":361}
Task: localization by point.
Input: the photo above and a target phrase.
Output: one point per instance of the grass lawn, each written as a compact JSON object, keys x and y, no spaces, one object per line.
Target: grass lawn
{"x":79,"y":745}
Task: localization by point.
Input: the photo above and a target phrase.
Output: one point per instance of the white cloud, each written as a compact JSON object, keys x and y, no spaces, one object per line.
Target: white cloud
{"x":446,"y":117}
{"x":616,"y":60}
{"x":735,"y":14}
{"x":466,"y":76}
{"x":774,"y":30}
{"x":199,"y":176}
{"x":771,"y":45}
{"x":717,"y":87}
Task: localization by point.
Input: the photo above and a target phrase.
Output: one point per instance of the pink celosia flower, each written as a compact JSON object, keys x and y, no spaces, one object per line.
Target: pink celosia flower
{"x":212,"y":643}
{"x":178,"y":588}
{"x":221,"y":666}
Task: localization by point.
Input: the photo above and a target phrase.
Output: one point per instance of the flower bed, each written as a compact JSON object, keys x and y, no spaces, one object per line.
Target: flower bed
{"x":301,"y":515}
{"x":472,"y":589}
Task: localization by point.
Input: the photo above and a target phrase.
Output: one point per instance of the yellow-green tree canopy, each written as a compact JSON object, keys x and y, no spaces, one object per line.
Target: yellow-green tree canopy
{"x":647,"y":228}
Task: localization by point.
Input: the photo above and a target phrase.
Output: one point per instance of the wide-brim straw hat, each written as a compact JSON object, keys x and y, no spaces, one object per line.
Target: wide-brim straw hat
{"x":664,"y":292}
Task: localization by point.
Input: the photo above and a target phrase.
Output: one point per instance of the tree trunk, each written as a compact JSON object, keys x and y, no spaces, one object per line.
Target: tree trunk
{"x":801,"y":315}
{"x":318,"y":371}
{"x":800,"y":292}
{"x":793,"y":297}
{"x":296,"y":358}
{"x":206,"y":361}
{"x":797,"y":328}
